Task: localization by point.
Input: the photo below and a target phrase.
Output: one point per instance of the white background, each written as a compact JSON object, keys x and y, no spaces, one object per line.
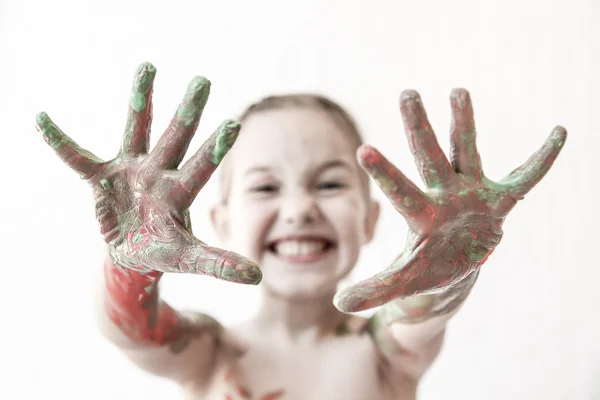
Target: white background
{"x":530,"y":329}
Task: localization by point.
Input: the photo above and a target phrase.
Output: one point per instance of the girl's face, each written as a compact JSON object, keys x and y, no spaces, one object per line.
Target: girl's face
{"x":296,"y":204}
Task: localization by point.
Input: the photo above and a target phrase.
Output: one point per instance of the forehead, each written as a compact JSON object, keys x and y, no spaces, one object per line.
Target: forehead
{"x":291,"y":137}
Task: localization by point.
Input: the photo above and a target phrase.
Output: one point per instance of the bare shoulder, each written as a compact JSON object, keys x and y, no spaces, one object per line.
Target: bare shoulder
{"x":190,"y":357}
{"x":405,"y":350}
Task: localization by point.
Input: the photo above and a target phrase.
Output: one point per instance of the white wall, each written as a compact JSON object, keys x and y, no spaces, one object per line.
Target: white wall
{"x":530,"y":330}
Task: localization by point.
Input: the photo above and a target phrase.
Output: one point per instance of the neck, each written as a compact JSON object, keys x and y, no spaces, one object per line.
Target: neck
{"x":312,"y":316}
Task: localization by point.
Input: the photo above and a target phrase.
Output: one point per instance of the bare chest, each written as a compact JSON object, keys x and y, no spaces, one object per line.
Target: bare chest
{"x":346,"y":369}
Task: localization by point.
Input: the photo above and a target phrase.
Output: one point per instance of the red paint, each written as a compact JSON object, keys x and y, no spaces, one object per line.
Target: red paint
{"x":140,"y":244}
{"x":416,"y":312}
{"x":430,"y":211}
{"x":272,"y":395}
{"x":486,"y":257}
{"x":230,"y":378}
{"x":140,"y":314}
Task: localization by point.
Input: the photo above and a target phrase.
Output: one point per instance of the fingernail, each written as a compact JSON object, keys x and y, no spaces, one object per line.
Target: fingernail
{"x":368,"y":156}
{"x":248,"y":274}
{"x":251,"y":274}
{"x":42,"y":120}
{"x":460,"y":96}
{"x":143,"y":78}
{"x":560,"y":132}
{"x":49,"y":131}
{"x":409,"y":95}
{"x":194,"y":101}
{"x":141,"y":86}
{"x":228,"y":133}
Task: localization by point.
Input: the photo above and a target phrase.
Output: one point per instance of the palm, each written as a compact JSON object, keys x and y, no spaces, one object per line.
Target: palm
{"x":142,"y":199}
{"x":456,"y":225}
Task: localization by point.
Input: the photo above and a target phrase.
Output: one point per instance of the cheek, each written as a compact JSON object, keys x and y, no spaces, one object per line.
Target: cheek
{"x":249,"y":223}
{"x":347,"y":216}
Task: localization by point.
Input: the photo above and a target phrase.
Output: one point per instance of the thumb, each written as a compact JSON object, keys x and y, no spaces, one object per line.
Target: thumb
{"x":167,"y":247}
{"x":222,"y":264}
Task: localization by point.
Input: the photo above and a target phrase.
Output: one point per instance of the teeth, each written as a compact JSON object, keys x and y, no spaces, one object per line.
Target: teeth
{"x":299,"y":247}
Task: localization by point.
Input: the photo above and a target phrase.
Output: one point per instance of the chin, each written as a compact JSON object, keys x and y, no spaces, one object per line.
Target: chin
{"x":301,"y":286}
{"x":296,"y":279}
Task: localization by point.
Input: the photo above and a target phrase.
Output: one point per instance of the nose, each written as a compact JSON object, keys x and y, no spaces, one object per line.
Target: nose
{"x":300,"y":209}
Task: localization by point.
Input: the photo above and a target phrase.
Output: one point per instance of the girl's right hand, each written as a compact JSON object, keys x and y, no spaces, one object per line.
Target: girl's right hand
{"x":142,"y":199}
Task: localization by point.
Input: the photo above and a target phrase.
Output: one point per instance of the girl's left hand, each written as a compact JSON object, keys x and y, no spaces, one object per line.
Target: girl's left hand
{"x":457,"y":224}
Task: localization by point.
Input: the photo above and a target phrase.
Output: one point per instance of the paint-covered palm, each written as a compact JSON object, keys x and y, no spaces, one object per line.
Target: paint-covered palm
{"x":142,"y":199}
{"x":456,"y":225}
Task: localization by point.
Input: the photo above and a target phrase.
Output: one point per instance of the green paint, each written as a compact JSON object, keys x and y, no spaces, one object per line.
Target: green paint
{"x":137,"y":237}
{"x":498,"y":187}
{"x":187,"y":221}
{"x":469,"y":142}
{"x":409,"y":202}
{"x":226,"y":137}
{"x":433,"y":179}
{"x":475,"y":252}
{"x":428,"y":168}
{"x":138,"y":101}
{"x":194,"y":101}
{"x":462,"y":100}
{"x":464,"y":192}
{"x":151,"y":287}
{"x":179,"y":345}
{"x":141,"y":86}
{"x":228,"y":273}
{"x":385,"y":183}
{"x":485,"y":194}
{"x":342,"y":329}
{"x":474,"y":249}
{"x":105,"y":184}
{"x":155,"y":246}
{"x":50,"y":131}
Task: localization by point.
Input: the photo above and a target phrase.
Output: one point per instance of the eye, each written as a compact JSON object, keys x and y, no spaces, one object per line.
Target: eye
{"x":266,"y":188}
{"x":330,"y":185}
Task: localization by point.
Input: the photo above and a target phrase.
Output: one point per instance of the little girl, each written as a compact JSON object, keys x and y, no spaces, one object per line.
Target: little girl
{"x":296,"y":203}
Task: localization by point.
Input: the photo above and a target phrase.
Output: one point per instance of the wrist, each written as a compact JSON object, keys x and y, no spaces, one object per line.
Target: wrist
{"x":422,"y":307}
{"x":122,"y":261}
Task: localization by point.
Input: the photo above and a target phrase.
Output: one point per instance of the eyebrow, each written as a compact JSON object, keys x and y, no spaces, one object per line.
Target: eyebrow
{"x":334,"y":164}
{"x":320,"y":169}
{"x":257,"y":169}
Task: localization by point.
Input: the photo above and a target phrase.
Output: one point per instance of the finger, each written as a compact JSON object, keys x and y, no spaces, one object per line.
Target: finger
{"x":81,"y":161}
{"x":523,"y":179}
{"x":137,"y":130}
{"x":221,"y":264}
{"x":464,"y":155}
{"x":405,"y":277}
{"x":163,"y":245}
{"x":173,"y":144}
{"x":433,"y":164}
{"x":199,"y":168}
{"x":406,"y":197}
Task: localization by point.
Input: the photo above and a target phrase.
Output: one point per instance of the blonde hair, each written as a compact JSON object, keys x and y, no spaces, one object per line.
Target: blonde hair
{"x":300,"y":100}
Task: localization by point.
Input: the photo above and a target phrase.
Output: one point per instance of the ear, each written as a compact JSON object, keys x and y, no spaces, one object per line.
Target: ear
{"x":220,"y":221}
{"x":371,"y":222}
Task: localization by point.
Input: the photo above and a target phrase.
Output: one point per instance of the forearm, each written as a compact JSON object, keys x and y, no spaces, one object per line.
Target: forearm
{"x":132,"y":303}
{"x":408,"y":324}
{"x":133,"y":306}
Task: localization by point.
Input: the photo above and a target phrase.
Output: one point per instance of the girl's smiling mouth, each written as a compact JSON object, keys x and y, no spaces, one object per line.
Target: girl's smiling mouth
{"x":301,"y":249}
